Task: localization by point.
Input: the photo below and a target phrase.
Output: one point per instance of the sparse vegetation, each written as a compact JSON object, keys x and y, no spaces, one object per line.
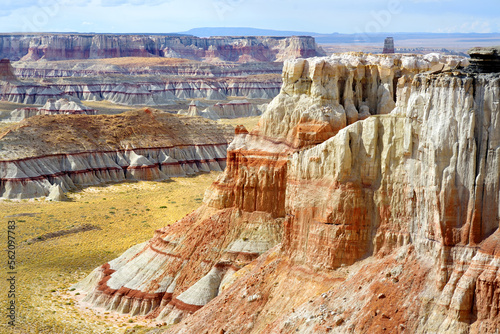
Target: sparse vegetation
{"x":48,"y":268}
{"x":248,"y":122}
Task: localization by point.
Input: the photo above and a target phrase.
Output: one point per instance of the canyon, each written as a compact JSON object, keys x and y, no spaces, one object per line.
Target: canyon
{"x":129,"y":88}
{"x":231,"y":109}
{"x":52,"y":107}
{"x":144,"y":70}
{"x":58,"y":153}
{"x":92,"y":46}
{"x":365,"y":201}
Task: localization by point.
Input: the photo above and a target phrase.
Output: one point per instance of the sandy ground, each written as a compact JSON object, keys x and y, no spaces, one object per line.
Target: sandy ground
{"x":126,"y":213}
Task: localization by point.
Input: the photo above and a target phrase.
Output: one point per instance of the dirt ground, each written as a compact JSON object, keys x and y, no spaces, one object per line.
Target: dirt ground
{"x":123,"y":214}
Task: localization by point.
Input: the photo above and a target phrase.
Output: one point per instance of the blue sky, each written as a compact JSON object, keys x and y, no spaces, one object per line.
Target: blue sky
{"x":323,"y":16}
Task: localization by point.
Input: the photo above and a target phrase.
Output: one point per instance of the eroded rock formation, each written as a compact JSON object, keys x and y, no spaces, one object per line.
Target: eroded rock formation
{"x":141,"y":90}
{"x":132,"y":66}
{"x":391,"y":224}
{"x":140,"y":70}
{"x":485,"y":60}
{"x":231,"y":109}
{"x":90,"y":46}
{"x":73,"y":151}
{"x":339,"y":221}
{"x":52,"y":107}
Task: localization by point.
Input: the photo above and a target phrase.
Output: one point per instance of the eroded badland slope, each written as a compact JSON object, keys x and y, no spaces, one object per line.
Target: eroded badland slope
{"x":71,"y":151}
{"x":366,"y":201}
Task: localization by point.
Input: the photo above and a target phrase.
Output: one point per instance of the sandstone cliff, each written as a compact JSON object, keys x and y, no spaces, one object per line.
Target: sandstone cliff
{"x":391,"y":224}
{"x":133,"y":66}
{"x":72,"y":151}
{"x":47,"y":46}
{"x":330,"y":219}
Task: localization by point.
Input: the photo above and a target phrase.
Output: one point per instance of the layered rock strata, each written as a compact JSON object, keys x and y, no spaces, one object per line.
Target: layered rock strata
{"x":485,"y":60}
{"x":133,"y":66}
{"x":92,"y":46}
{"x":52,"y":107}
{"x":73,"y":151}
{"x":325,"y":180}
{"x":139,"y":91}
{"x":231,"y":109}
{"x":392,"y":223}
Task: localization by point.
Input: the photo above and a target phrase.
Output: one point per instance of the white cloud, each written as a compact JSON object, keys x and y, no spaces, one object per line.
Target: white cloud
{"x":477,"y":26}
{"x":113,"y":3}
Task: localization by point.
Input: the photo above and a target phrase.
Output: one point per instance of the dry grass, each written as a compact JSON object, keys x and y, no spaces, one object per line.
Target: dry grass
{"x":106,"y":107}
{"x":127,"y":214}
{"x":4,"y":128}
{"x":144,"y":61}
{"x":9,"y":106}
{"x":248,"y":122}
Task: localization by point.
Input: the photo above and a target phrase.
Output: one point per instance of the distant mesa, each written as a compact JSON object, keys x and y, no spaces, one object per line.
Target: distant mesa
{"x":137,"y":81}
{"x":47,"y":46}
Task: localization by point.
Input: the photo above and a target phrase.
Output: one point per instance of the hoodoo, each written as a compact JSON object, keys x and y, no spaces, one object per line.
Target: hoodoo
{"x":485,"y":60}
{"x":366,"y":198}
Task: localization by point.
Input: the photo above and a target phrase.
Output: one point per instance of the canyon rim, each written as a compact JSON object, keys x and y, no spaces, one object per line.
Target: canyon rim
{"x":365,"y":201}
{"x":170,"y":183}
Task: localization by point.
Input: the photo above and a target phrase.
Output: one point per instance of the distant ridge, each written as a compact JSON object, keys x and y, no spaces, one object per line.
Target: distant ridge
{"x":243,"y":31}
{"x":334,"y":37}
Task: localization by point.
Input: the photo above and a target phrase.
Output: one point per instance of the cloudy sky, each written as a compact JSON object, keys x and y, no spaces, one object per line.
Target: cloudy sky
{"x":323,"y":16}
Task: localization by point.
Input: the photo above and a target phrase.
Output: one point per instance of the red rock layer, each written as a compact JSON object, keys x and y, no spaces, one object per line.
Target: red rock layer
{"x":410,"y":234}
{"x":81,"y":150}
{"x":389,"y":223}
{"x":88,"y":68}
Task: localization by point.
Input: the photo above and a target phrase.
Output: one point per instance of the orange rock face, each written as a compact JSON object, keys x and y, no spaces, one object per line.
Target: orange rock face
{"x":327,"y":220}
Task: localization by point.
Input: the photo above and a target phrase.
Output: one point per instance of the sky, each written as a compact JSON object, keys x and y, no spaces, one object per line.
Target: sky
{"x":321,"y":16}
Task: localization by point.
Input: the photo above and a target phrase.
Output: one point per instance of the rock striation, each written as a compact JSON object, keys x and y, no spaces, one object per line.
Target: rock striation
{"x":141,"y":90}
{"x":52,"y":107}
{"x":390,"y":225}
{"x":133,"y":66}
{"x":231,"y":109}
{"x":72,"y":151}
{"x":485,"y":60}
{"x":147,"y":70}
{"x":370,"y":185}
{"x":32,"y":47}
